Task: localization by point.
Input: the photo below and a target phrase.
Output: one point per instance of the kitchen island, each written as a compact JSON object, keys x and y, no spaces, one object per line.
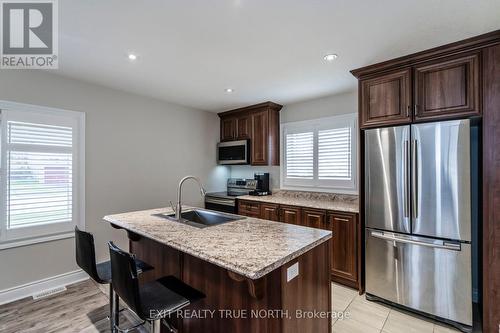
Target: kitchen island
{"x":257,"y":275}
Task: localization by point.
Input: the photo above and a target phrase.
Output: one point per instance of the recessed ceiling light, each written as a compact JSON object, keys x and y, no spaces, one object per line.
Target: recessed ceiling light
{"x":330,"y":57}
{"x":132,"y":56}
{"x":229,"y":90}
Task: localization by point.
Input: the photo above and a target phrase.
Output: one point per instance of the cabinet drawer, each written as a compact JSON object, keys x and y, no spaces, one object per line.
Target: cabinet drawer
{"x":249,"y":208}
{"x":269,"y":211}
{"x":291,"y":214}
{"x":314,"y":218}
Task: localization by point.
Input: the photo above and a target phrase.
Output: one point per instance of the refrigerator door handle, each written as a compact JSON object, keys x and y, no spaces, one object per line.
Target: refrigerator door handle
{"x":406,"y":194}
{"x":414,"y":178}
{"x":433,"y":243}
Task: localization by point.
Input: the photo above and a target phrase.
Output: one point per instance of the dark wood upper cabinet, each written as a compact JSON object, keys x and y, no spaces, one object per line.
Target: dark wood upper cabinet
{"x":260,"y":124}
{"x":386,"y":99}
{"x":291,"y":214}
{"x":447,"y":88}
{"x":228,"y":129}
{"x":269,"y":212}
{"x":244,"y":127}
{"x":344,"y":258}
{"x":314,"y":218}
{"x":259,"y":138}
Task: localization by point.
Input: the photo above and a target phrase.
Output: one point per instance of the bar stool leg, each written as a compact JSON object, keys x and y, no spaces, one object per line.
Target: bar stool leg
{"x":116,"y":314}
{"x":156,"y":326}
{"x":111,"y":308}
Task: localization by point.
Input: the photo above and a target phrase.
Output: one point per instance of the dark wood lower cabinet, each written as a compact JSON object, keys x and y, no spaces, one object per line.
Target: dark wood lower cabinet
{"x":345,"y":256}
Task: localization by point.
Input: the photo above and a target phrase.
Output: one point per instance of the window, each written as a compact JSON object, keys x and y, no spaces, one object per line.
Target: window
{"x":42,"y":170}
{"x":320,"y":154}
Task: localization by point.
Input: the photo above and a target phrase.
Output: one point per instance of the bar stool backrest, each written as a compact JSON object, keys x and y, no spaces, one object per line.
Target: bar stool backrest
{"x":85,"y":254}
{"x":124,"y":278}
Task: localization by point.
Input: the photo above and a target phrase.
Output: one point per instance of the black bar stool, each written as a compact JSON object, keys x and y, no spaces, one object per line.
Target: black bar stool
{"x":152,"y":301}
{"x":100,"y":273}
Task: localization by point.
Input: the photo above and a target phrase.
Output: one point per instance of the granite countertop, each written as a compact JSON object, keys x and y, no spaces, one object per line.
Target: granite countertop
{"x":318,"y":200}
{"x":250,"y":247}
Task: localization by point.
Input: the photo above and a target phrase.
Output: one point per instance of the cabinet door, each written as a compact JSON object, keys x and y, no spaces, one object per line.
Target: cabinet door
{"x":385,"y":99}
{"x":290,"y":214}
{"x":249,"y":208}
{"x":344,"y":240}
{"x":243,"y":125}
{"x":269,"y":212}
{"x":228,"y":129}
{"x":259,"y":146}
{"x":447,"y":88}
{"x":314,"y":218}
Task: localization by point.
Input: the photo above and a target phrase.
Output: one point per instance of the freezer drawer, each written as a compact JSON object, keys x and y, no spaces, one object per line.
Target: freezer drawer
{"x":428,"y":275}
{"x":387,"y":201}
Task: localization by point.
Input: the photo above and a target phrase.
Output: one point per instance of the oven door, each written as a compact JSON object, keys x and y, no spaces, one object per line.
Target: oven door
{"x":221,"y":205}
{"x":233,"y":152}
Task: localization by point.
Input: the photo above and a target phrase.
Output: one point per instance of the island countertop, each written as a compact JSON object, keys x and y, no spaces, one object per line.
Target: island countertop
{"x":250,"y":247}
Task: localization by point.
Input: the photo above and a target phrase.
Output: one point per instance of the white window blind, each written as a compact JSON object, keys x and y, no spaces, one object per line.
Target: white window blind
{"x":299,"y":152}
{"x":39,"y":174}
{"x":42,"y":173}
{"x":320,"y":154}
{"x":334,"y":154}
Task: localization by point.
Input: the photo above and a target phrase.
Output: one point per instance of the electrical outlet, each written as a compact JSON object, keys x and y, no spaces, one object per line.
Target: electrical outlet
{"x":292,"y":272}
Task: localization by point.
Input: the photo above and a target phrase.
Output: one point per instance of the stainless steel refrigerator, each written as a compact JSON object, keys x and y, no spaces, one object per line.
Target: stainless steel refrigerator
{"x":418,"y":218}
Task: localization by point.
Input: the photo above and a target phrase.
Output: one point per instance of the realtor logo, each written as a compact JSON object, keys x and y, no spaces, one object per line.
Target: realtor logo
{"x":29,"y":34}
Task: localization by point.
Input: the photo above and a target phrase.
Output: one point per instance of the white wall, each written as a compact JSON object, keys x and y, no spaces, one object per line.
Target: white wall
{"x":316,"y":108}
{"x":137,"y":149}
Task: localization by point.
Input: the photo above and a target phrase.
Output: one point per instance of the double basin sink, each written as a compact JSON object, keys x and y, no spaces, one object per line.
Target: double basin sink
{"x":201,"y":218}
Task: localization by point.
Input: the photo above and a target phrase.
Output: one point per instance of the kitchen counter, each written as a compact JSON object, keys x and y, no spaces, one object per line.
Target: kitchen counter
{"x":250,"y":247}
{"x":326,"y":201}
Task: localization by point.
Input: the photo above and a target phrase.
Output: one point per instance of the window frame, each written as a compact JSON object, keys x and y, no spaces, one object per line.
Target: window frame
{"x":11,"y":111}
{"x":316,"y":125}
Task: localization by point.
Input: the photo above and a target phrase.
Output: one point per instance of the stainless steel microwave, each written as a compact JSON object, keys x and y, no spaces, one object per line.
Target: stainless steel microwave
{"x":233,"y":152}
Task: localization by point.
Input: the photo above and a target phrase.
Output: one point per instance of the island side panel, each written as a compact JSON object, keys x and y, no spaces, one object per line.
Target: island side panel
{"x":224,"y":292}
{"x":310,"y":291}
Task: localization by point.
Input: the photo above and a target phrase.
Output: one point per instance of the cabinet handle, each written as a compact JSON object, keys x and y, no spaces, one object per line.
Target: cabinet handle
{"x":415,"y":110}
{"x":408,"y":110}
{"x":341,"y":219}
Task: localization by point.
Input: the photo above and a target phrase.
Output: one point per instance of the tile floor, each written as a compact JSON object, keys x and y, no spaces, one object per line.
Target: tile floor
{"x":362,"y":316}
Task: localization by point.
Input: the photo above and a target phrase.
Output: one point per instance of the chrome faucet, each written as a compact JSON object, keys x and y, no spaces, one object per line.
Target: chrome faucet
{"x":178,"y":208}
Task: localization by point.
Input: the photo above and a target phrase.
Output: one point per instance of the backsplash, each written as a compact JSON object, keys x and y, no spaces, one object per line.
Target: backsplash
{"x":320,"y":196}
{"x":248,"y":171}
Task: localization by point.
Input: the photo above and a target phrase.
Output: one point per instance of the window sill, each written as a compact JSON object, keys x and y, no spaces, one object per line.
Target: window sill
{"x":26,"y":242}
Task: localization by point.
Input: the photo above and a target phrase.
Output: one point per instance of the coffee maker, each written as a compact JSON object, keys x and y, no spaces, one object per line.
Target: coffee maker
{"x":262,"y":184}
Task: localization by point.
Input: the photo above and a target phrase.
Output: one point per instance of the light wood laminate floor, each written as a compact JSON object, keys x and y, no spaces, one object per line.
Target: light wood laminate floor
{"x":83,"y":307}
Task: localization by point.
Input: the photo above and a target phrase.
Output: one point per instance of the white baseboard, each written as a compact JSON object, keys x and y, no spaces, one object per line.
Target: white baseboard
{"x":29,"y":289}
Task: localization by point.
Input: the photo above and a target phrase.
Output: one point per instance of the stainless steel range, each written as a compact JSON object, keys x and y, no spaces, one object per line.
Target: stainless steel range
{"x":226,"y":201}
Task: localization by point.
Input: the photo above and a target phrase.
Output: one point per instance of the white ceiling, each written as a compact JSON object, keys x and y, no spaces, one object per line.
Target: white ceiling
{"x":191,"y":50}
